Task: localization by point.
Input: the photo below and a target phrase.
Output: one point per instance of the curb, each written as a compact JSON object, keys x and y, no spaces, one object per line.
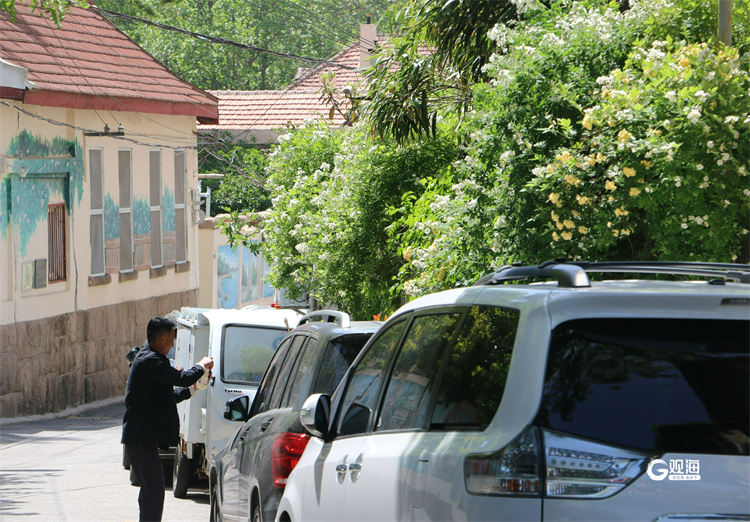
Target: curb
{"x":64,"y":413}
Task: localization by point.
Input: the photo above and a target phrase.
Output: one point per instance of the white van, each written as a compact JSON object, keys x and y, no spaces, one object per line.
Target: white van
{"x":242,"y":343}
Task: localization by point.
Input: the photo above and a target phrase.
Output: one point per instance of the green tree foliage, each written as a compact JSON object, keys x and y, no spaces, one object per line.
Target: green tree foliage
{"x":313,"y":28}
{"x":243,"y":187}
{"x":332,"y":191}
{"x":440,"y":53}
{"x":55,"y":9}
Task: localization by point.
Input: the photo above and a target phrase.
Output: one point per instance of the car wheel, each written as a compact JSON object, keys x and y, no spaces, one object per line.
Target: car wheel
{"x":257,"y":517}
{"x":215,"y":505}
{"x":182,"y":474}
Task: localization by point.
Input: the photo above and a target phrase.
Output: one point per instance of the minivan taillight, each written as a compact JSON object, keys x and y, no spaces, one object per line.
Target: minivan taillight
{"x":572,"y":467}
{"x":286,"y":452}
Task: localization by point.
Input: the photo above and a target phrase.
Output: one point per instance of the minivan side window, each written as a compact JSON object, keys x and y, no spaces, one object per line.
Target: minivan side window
{"x":363,"y":389}
{"x":408,"y":390}
{"x":301,"y":377}
{"x":340,"y":354}
{"x":473,"y":381}
{"x":260,"y":404}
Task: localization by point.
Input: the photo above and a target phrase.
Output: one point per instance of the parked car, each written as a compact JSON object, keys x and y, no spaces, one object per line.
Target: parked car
{"x":564,"y":400}
{"x":248,"y":476}
{"x":242,"y":343}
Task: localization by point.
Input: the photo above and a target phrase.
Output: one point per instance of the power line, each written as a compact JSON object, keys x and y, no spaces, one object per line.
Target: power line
{"x":83,"y":129}
{"x":219,"y":40}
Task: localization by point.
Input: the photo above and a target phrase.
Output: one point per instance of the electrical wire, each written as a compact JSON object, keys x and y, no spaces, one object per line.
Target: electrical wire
{"x":83,"y":129}
{"x":214,"y":39}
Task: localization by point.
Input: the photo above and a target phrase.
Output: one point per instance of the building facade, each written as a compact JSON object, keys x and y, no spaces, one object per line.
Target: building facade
{"x":98,"y":186}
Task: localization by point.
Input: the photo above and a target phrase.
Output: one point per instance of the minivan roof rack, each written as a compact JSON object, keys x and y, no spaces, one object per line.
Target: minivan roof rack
{"x":327,"y":316}
{"x":574,"y":274}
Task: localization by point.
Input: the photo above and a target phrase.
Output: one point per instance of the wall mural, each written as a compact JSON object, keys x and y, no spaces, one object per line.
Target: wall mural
{"x":40,"y":169}
{"x":228,"y":274}
{"x":167,"y":211}
{"x":111,"y":218}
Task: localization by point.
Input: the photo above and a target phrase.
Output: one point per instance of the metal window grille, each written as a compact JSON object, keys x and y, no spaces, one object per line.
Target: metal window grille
{"x":179,"y":206}
{"x":56,"y":267}
{"x":96,"y":230}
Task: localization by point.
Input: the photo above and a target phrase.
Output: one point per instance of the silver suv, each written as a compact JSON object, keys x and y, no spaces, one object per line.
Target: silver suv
{"x":560,"y":400}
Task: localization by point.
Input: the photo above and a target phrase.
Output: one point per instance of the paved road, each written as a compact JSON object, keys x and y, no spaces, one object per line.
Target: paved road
{"x":70,"y":469}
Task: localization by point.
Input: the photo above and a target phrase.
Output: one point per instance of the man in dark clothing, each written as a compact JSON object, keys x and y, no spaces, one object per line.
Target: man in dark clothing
{"x":151,"y":417}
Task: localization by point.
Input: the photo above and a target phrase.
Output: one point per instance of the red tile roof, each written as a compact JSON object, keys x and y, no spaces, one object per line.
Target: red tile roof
{"x":88,"y":63}
{"x":299,"y":102}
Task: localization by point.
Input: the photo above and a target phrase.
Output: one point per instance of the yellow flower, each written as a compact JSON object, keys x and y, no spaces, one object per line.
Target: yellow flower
{"x":554,"y":216}
{"x":611,"y":122}
{"x":634,"y":191}
{"x":551,"y":168}
{"x":623,"y":136}
{"x":572,"y":180}
{"x":646,"y":164}
{"x":567,"y":235}
{"x":583,"y":200}
{"x":615,"y":232}
{"x":558,"y":225}
{"x":407,"y":254}
{"x":606,"y":93}
{"x":555,"y":237}
{"x":568,"y":224}
{"x":609,"y":224}
{"x":555,"y":199}
{"x":563,"y":156}
{"x":625,"y":232}
{"x":441,"y":274}
{"x":610,"y":185}
{"x":586,"y":122}
{"x":629,"y":172}
{"x":600,"y":157}
{"x":621,"y":212}
{"x":591,"y":160}
{"x":583,"y":230}
{"x":576,"y":214}
{"x":684,"y":62}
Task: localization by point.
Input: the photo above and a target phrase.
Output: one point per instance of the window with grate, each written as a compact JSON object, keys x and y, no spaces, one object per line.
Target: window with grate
{"x":56,"y":241}
{"x":126,"y":220}
{"x":179,"y":206}
{"x":96,"y":229}
{"x":154,"y":157}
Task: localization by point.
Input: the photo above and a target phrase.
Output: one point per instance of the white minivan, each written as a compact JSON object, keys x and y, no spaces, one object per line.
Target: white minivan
{"x":242,"y":343}
{"x":567,"y":400}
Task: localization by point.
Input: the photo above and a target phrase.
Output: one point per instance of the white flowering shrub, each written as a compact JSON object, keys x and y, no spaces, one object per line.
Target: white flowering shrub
{"x":601,"y":135}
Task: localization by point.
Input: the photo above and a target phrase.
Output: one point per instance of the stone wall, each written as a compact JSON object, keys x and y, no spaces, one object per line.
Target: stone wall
{"x":64,"y":361}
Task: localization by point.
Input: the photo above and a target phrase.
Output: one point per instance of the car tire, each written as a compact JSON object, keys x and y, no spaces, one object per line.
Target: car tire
{"x":257,"y":516}
{"x":182,"y":474}
{"x":215,"y":506}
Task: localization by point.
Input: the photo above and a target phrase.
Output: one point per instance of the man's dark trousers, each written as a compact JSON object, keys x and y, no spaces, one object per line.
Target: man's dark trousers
{"x":144,"y":457}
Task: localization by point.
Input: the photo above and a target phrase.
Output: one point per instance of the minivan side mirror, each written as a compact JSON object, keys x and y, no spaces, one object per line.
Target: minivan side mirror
{"x":315,"y":414}
{"x":237,"y":408}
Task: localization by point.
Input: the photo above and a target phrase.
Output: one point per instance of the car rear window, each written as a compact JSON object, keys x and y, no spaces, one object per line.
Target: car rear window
{"x":659,"y":385}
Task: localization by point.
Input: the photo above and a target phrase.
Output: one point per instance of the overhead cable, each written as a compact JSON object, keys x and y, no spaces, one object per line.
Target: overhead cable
{"x":219,"y":40}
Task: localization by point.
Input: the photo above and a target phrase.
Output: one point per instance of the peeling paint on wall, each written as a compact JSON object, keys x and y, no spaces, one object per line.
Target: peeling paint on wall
{"x":39,"y":170}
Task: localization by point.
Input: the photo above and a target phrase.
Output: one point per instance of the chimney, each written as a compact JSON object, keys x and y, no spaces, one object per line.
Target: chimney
{"x":368,"y":34}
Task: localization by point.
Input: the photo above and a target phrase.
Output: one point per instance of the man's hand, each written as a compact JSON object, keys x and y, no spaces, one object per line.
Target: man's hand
{"x":207,"y":362}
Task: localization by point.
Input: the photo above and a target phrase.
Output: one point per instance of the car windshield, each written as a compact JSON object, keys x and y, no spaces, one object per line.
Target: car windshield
{"x":246,"y":352}
{"x":661,"y":385}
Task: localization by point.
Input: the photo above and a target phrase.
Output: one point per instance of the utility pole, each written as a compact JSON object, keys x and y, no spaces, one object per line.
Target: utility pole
{"x":725,"y":21}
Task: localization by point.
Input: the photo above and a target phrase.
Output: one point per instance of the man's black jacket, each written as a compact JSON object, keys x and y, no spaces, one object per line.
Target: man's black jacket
{"x":151,"y":398}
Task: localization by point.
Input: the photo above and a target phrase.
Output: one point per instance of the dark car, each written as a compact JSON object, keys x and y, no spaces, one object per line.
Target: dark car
{"x":248,"y":476}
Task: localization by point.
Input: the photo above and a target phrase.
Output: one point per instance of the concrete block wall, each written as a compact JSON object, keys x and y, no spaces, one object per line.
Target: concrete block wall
{"x":71,"y":359}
